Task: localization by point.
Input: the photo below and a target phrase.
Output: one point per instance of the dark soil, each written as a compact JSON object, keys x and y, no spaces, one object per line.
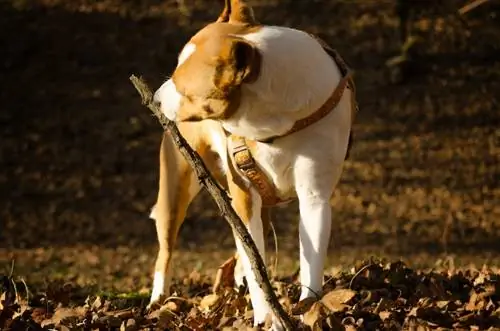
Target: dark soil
{"x":78,"y":152}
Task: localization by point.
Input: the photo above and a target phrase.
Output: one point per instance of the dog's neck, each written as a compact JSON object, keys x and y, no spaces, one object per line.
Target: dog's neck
{"x":280,"y":96}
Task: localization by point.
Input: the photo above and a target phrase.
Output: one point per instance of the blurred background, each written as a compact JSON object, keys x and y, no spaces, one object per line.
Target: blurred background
{"x":78,"y":152}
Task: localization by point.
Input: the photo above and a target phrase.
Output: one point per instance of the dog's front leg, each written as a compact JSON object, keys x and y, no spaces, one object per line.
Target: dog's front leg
{"x":177,"y":187}
{"x":315,"y":183}
{"x":239,"y":272}
{"x":247,"y":204}
{"x":314,"y":235}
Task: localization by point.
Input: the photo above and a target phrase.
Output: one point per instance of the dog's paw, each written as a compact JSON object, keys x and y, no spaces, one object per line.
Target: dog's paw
{"x":156,"y":301}
{"x":160,"y":291}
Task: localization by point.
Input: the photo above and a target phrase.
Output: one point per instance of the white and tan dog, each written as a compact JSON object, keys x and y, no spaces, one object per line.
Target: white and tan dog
{"x":268,"y":110}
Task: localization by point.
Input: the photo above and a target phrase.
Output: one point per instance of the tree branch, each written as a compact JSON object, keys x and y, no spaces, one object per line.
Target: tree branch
{"x":221,"y":198}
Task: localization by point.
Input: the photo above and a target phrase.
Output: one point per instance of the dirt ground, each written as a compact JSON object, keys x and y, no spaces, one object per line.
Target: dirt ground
{"x":78,"y":152}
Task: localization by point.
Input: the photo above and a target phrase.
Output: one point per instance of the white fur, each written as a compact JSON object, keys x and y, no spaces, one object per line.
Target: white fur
{"x":296,"y":78}
{"x":219,"y":144}
{"x":169,"y":99}
{"x":186,"y":52}
{"x":239,"y":274}
{"x":158,"y":286}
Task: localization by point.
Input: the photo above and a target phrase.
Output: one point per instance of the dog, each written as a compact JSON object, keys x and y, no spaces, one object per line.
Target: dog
{"x":269,"y":109}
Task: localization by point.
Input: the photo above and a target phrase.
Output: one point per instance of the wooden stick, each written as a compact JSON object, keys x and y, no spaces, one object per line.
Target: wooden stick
{"x":221,"y":198}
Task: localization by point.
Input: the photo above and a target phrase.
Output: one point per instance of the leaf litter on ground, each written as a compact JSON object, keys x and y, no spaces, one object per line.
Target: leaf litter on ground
{"x":373,"y":295}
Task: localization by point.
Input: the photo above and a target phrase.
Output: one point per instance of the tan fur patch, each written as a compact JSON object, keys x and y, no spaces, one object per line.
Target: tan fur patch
{"x":241,"y":202}
{"x":241,"y":198}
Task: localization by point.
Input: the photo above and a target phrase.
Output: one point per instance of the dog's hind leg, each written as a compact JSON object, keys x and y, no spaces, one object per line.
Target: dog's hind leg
{"x":177,"y":188}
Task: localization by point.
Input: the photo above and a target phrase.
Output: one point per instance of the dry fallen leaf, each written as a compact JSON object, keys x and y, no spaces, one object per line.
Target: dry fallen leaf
{"x":315,"y":316}
{"x":414,"y":301}
{"x":303,"y":306}
{"x":337,"y":300}
{"x":385,"y":315}
{"x":225,"y":275}
{"x":61,"y":314}
{"x":209,"y":301}
{"x":129,"y":325}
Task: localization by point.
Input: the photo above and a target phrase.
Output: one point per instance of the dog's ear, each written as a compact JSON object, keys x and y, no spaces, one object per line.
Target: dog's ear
{"x":239,"y":62}
{"x":237,"y":11}
{"x":224,"y":16}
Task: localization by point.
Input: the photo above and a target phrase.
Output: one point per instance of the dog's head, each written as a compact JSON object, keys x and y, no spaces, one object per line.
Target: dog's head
{"x":212,"y":67}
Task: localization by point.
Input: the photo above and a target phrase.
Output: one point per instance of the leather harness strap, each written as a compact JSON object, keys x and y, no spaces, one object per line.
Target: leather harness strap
{"x":246,"y":164}
{"x":240,"y":153}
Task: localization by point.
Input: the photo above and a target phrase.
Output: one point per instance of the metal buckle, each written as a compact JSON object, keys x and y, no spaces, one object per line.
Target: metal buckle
{"x":248,"y":161}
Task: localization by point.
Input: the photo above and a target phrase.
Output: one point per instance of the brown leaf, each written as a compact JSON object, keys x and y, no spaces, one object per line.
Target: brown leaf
{"x":172,"y":306}
{"x":2,"y":300}
{"x":39,"y":314}
{"x":166,"y":317}
{"x":384,"y":304}
{"x":303,"y":306}
{"x":337,"y":300}
{"x":163,"y":314}
{"x":385,"y":315}
{"x":333,"y":323}
{"x":97,"y":304}
{"x":442,"y":304}
{"x":315,"y":315}
{"x":488,"y":291}
{"x":286,"y":303}
{"x":248,"y":314}
{"x":336,"y":307}
{"x":209,"y":301}
{"x":241,"y":325}
{"x":240,"y":303}
{"x":480,"y":279}
{"x":122,"y":314}
{"x":225,"y":275}
{"x":110,"y":321}
{"x":197,"y":322}
{"x":226,"y":321}
{"x":414,"y":311}
{"x":195,"y":277}
{"x":473,"y":302}
{"x":129,"y":325}
{"x":62,"y":314}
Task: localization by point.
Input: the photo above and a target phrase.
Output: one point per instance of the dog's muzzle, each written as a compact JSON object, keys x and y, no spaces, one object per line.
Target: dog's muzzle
{"x":156,"y":99}
{"x":168,"y":99}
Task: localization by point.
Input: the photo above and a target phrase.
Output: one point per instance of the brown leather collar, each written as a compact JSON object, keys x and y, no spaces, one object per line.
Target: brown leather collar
{"x":239,"y":151}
